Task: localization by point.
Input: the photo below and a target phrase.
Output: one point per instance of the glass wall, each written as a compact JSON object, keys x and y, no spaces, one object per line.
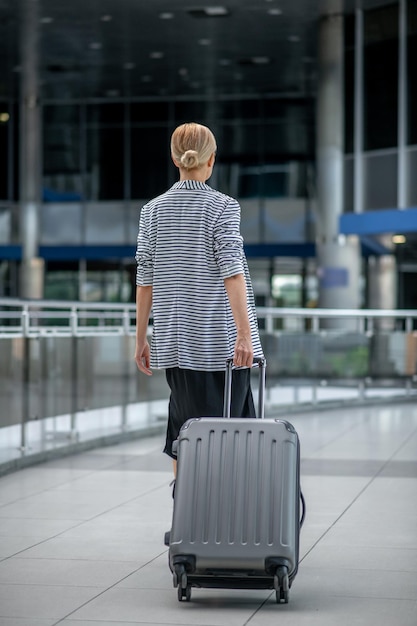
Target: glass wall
{"x":412,"y":71}
{"x":381,"y":77}
{"x":120,"y":151}
{"x":380,"y":105}
{"x":5,"y":121}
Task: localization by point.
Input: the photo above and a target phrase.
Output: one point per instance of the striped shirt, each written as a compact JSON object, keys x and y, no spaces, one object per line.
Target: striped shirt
{"x":188,"y":242}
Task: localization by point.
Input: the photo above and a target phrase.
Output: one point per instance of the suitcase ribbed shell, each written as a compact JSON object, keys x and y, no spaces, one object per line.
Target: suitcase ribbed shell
{"x":237,"y":494}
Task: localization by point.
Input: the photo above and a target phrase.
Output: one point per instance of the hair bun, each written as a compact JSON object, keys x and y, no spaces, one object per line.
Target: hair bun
{"x":189,"y":159}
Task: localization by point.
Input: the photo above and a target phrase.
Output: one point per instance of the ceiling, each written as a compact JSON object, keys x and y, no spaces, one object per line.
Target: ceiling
{"x":166,"y":48}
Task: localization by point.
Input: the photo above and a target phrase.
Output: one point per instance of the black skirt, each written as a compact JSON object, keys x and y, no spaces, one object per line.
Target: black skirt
{"x":200,"y":394}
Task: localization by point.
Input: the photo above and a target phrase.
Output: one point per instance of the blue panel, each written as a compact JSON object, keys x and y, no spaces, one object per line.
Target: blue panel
{"x":334,"y":277}
{"x":10,"y":253}
{"x":378,"y":222}
{"x":92,"y":253}
{"x":270,"y":250}
{"x":101,"y":253}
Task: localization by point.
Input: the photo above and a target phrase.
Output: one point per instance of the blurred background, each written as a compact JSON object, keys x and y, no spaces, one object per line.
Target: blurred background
{"x":313,"y":105}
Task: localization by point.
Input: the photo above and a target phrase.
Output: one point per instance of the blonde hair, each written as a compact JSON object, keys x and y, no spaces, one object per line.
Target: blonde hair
{"x":192,"y":145}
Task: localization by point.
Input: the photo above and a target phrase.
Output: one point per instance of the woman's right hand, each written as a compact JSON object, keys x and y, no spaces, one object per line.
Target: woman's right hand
{"x":243,"y":354}
{"x":143,"y":357}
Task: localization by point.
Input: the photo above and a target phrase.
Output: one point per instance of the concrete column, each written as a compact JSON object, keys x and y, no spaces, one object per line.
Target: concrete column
{"x":338,"y":257}
{"x":32,"y":268}
{"x":382,"y":284}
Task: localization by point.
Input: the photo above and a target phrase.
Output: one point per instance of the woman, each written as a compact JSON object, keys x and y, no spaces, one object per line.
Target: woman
{"x":192,"y":273}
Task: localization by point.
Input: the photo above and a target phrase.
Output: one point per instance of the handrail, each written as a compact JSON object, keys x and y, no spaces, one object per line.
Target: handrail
{"x":28,"y":317}
{"x":277,"y":311}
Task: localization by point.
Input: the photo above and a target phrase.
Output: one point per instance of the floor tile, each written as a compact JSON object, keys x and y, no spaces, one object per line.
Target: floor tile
{"x":208,"y":607}
{"x":81,"y":538}
{"x":313,"y":609}
{"x":72,"y":572}
{"x":17,"y":621}
{"x":42,"y":601}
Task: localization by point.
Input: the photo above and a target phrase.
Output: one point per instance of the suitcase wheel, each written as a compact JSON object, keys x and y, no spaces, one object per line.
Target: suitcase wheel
{"x":282,"y":596}
{"x":184,"y":593}
{"x":282,"y":585}
{"x":181,"y":582}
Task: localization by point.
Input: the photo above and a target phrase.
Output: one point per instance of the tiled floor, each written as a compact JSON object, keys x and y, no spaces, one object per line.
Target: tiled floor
{"x":81,"y":538}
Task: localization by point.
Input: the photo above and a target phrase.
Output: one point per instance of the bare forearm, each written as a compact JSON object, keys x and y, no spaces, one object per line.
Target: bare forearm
{"x":143,"y":310}
{"x":236,"y":292}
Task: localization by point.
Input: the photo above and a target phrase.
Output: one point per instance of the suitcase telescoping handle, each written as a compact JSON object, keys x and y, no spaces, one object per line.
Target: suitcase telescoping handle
{"x":261,"y":363}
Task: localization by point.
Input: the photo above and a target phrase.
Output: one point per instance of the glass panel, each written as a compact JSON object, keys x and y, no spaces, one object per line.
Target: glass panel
{"x":348,"y":185}
{"x":61,"y":223}
{"x":148,"y":112}
{"x":201,"y":111}
{"x":11,"y":371}
{"x":107,"y":286}
{"x":102,"y":114}
{"x":250,"y":225}
{"x":412,"y":71}
{"x":240,"y":143}
{"x":150,"y":161}
{"x":239,"y":109}
{"x":349,"y":80}
{"x":62,"y":176}
{"x":4,"y":147}
{"x":412,"y":178}
{"x":105,"y":223}
{"x":381,"y":77}
{"x":5,"y":225}
{"x":105,"y":163}
{"x":61,"y":285}
{"x":83,"y":387}
{"x":285,"y":221}
{"x":380,"y":181}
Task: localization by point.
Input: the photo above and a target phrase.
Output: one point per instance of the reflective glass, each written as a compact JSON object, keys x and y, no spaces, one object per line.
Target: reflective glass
{"x":381,"y":77}
{"x":412,"y":71}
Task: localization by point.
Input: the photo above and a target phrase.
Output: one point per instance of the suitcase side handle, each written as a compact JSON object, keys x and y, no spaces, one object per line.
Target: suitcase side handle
{"x":257,"y":361}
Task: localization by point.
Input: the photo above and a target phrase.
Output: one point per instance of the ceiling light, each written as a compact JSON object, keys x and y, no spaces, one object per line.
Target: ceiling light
{"x":399,"y":239}
{"x":106,"y":18}
{"x":216,"y":11}
{"x":274,"y":12}
{"x":95,"y":45}
{"x":225,"y":62}
{"x":112,"y":93}
{"x":157,"y":55}
{"x":146,"y":78}
{"x":261,"y":60}
{"x":129,"y":66}
{"x":46,"y":20}
{"x":293,"y":38}
{"x":183,"y":71}
{"x":257,"y":60}
{"x":166,"y":16}
{"x":204,"y":42}
{"x":4,"y":117}
{"x":210,"y":11}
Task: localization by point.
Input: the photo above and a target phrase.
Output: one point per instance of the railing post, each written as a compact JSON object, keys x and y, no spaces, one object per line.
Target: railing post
{"x":74,"y":372}
{"x":25,"y":377}
{"x":125,"y":369}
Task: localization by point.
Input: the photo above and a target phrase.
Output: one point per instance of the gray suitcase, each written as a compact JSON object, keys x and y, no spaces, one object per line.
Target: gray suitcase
{"x":236,"y":517}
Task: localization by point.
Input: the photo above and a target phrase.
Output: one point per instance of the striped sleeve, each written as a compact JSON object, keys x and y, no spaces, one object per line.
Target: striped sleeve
{"x":144,"y":269}
{"x":228,"y":243}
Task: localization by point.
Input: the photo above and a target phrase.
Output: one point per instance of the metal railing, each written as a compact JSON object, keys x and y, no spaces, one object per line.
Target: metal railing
{"x":67,"y":373}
